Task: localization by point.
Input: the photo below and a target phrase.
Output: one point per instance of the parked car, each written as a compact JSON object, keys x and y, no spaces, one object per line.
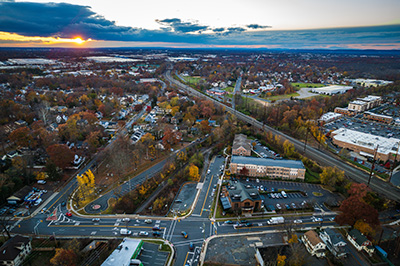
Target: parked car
{"x":228,"y":222}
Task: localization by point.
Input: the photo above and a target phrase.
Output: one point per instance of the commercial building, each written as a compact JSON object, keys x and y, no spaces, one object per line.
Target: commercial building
{"x":15,"y":250}
{"x":379,"y":118}
{"x":366,"y":143}
{"x":128,"y":250}
{"x":331,"y":90}
{"x":329,"y":117}
{"x":371,"y":82}
{"x":241,"y":145}
{"x":366,"y":103}
{"x":265,"y":167}
{"x":241,"y":197}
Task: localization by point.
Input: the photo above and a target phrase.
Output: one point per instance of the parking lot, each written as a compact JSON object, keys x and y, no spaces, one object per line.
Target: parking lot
{"x":265,"y":152}
{"x":151,"y":256}
{"x":185,"y":198}
{"x":298,"y":195}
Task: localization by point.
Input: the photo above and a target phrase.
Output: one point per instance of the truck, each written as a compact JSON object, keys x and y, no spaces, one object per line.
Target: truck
{"x":276,"y":220}
{"x":125,"y":232}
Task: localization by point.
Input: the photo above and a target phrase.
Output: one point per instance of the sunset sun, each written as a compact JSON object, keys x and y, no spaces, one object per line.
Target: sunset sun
{"x":78,"y":40}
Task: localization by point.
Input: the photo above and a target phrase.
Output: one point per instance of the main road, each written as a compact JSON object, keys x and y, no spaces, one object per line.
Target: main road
{"x":323,"y":157}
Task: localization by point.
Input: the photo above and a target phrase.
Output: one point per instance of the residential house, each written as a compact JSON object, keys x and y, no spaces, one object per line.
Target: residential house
{"x":360,"y":241}
{"x":334,"y":242}
{"x":314,"y":244}
{"x":241,"y":197}
{"x":14,"y":251}
{"x":241,"y":145}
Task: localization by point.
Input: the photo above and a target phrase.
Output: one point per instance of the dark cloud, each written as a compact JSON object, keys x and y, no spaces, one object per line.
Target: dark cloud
{"x":256,"y":26}
{"x":68,"y":21}
{"x":177,"y":25}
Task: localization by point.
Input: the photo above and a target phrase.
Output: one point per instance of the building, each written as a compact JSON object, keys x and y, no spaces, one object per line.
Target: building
{"x":329,"y":117}
{"x":331,"y":90}
{"x":244,"y":198}
{"x":15,"y":250}
{"x":379,"y":118}
{"x":360,"y":241}
{"x":265,"y":167}
{"x":371,"y":82}
{"x":358,"y":106}
{"x":366,"y":143}
{"x":241,"y":145}
{"x":334,"y":242}
{"x":314,"y":245}
{"x":372,"y":101}
{"x":129,"y":249}
{"x":344,"y":111}
{"x":19,"y":196}
{"x":216,"y":91}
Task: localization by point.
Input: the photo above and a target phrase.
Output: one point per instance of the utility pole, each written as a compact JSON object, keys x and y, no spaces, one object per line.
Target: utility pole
{"x":394,"y":162}
{"x":305,"y":142}
{"x":373,"y":165}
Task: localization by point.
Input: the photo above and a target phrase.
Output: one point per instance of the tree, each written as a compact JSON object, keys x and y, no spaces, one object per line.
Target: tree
{"x":331,"y":175}
{"x":64,"y":257}
{"x":244,"y":171}
{"x":22,"y":137}
{"x":194,"y":173}
{"x":353,"y":209}
{"x":364,"y":228}
{"x":288,"y":148}
{"x":86,"y":184}
{"x":60,"y":155}
{"x":280,"y":260}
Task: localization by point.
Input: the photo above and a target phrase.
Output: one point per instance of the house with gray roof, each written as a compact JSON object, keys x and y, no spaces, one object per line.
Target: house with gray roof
{"x":266,"y":167}
{"x":244,"y":198}
{"x":15,"y":250}
{"x":241,"y":145}
{"x":360,"y":241}
{"x":334,"y":242}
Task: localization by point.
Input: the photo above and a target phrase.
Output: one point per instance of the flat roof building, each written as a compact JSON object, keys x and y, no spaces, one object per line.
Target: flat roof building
{"x":329,"y":117}
{"x":331,"y":90}
{"x":366,"y":143}
{"x":265,"y":167}
{"x":122,"y":255}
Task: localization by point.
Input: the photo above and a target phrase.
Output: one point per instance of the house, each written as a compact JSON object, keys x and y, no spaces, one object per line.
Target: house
{"x":360,"y":241}
{"x":242,"y":197}
{"x":241,"y":145}
{"x":334,"y":242}
{"x":14,"y":251}
{"x":314,"y":245}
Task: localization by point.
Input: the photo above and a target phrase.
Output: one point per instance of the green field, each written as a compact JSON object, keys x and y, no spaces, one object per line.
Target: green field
{"x":307,"y":85}
{"x":229,"y":89}
{"x":280,"y":97}
{"x":192,"y":80}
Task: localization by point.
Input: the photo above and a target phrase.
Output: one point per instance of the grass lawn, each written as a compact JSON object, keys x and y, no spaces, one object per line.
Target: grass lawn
{"x":284,"y":96}
{"x":307,"y":85}
{"x":191,"y":80}
{"x":311,"y":177}
{"x":230,"y":89}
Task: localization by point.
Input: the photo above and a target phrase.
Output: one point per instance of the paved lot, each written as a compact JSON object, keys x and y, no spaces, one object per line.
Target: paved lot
{"x":151,"y":256}
{"x":296,"y":197}
{"x":185,"y":197}
{"x":238,"y":250}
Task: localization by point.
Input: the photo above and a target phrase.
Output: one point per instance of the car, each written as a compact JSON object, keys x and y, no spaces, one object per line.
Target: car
{"x":298,"y":221}
{"x":191,"y":246}
{"x":278,"y":206}
{"x":228,"y":222}
{"x":126,"y":219}
{"x":44,"y":191}
{"x":148,"y":221}
{"x":248,"y":224}
{"x":143,"y":233}
{"x":68,"y":214}
{"x":294,"y":206}
{"x":178,"y":201}
{"x":287,"y":207}
{"x":156,"y":233}
{"x":258,"y":180}
{"x":272,"y":195}
{"x":184,"y":234}
{"x":41,"y":182}
{"x":63,"y":204}
{"x":243,"y":221}
{"x":238,"y":225}
{"x":315,"y":219}
{"x":96,"y":220}
{"x":156,"y":228}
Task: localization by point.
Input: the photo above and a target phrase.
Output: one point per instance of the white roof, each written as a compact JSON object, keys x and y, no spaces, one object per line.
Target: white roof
{"x":122,"y":257}
{"x":333,"y":89}
{"x":330,"y":115}
{"x":386,"y":145}
{"x":358,"y":102}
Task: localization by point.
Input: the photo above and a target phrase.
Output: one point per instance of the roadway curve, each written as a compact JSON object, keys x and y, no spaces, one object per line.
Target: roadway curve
{"x":325,"y":159}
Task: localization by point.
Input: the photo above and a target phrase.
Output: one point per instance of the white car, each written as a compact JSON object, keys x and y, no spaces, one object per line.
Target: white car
{"x":148,"y":221}
{"x":126,"y":220}
{"x":143,"y":233}
{"x":297,"y":221}
{"x":315,"y":219}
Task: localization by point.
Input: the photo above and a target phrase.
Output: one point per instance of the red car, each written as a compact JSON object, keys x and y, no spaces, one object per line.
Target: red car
{"x":68,"y":214}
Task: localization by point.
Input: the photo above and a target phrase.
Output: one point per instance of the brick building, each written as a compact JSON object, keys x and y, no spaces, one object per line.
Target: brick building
{"x":242,"y":197}
{"x":241,"y":145}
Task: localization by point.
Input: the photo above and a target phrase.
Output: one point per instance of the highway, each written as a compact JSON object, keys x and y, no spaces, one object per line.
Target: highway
{"x":322,"y":157}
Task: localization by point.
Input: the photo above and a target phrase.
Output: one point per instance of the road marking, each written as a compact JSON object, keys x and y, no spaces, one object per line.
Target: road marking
{"x":205,"y":199}
{"x":116,"y":224}
{"x":77,"y":223}
{"x":93,"y":233}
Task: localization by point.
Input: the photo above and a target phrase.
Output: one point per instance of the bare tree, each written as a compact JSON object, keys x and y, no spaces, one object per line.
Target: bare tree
{"x":44,"y":111}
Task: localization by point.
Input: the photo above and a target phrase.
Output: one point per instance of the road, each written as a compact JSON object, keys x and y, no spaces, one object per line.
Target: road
{"x":236,"y":91}
{"x":323,"y":157}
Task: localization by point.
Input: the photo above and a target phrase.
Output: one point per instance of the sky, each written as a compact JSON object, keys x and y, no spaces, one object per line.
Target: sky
{"x":286,"y":24}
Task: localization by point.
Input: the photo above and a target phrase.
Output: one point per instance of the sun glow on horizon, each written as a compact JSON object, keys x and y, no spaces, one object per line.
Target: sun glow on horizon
{"x":7,"y":38}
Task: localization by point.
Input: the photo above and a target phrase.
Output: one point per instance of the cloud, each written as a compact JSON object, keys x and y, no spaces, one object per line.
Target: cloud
{"x":62,"y":20}
{"x":177,"y":25}
{"x":257,"y":26}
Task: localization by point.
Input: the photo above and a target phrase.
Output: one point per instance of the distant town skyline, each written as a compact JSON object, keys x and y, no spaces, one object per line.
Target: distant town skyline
{"x":287,"y":24}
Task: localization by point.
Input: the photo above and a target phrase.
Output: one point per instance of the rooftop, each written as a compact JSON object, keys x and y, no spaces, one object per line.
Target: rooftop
{"x":267,"y":162}
{"x":386,"y":145}
{"x":330,"y":115}
{"x":121,"y":256}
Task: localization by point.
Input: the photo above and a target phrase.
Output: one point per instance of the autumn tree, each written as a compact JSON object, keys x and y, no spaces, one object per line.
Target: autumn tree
{"x":288,"y":148}
{"x":364,"y":228}
{"x":280,"y":260}
{"x":193,"y":172}
{"x":86,"y":184}
{"x":331,"y":176}
{"x":22,"y":137}
{"x":244,"y":171}
{"x":64,"y":257}
{"x":60,"y":155}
